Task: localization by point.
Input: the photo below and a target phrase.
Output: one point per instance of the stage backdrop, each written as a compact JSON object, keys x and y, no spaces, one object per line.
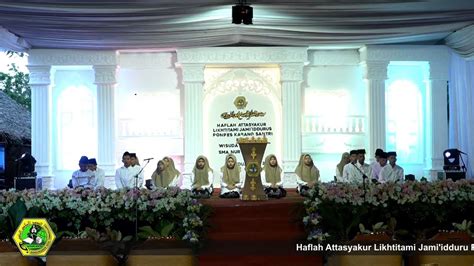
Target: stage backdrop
{"x":240,"y":102}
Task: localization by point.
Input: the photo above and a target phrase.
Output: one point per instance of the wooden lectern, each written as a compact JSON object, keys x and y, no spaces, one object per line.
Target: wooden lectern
{"x":252,"y":150}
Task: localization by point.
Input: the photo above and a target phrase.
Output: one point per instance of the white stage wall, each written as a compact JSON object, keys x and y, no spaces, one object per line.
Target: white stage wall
{"x":261,"y":90}
{"x":335,"y":112}
{"x":343,"y":103}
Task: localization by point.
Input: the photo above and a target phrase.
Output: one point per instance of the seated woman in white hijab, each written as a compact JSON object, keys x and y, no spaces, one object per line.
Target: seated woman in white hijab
{"x":345,"y":159}
{"x":272,"y":178}
{"x":163,"y":178}
{"x":202,"y":178}
{"x":307,"y":174}
{"x":231,"y":178}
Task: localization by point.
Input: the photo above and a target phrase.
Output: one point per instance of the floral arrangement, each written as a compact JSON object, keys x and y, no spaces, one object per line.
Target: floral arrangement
{"x":412,"y":210}
{"x":71,"y":211}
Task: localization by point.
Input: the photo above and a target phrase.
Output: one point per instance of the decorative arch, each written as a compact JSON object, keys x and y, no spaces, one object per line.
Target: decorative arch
{"x":263,"y":92}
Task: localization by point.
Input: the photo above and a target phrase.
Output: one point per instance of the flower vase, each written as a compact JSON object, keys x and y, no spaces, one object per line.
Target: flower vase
{"x":162,"y":251}
{"x":9,"y":255}
{"x":79,"y":251}
{"x":371,"y":257}
{"x":440,"y":257}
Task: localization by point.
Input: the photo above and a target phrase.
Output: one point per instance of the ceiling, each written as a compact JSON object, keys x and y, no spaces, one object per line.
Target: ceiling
{"x":153,"y":24}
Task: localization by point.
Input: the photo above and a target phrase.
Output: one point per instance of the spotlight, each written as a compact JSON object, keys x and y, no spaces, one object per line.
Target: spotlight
{"x":242,"y":13}
{"x":451,"y":160}
{"x":26,"y":165}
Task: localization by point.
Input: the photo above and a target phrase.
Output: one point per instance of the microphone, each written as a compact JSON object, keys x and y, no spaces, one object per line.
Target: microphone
{"x":364,"y":176}
{"x":148,"y":159}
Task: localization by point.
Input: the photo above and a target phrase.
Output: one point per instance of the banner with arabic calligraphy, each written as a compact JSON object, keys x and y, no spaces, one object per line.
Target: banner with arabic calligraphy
{"x":235,"y":115}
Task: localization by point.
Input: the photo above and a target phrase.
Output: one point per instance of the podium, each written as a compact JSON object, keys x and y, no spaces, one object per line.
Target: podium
{"x":252,"y":150}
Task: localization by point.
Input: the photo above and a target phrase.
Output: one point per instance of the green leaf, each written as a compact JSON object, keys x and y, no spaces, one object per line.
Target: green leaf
{"x":147,"y":231}
{"x":166,"y":230}
{"x":378,"y":226}
{"x":16,"y":213}
{"x":127,"y":238}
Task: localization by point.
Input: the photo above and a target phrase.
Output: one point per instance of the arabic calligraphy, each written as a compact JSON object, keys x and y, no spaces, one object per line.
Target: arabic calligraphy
{"x":241,"y":115}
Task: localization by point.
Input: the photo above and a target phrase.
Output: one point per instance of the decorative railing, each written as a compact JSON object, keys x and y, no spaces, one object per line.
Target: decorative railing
{"x":334,"y":125}
{"x":331,"y":124}
{"x":156,"y":128}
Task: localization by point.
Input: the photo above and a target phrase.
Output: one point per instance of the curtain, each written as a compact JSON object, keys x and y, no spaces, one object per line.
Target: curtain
{"x":167,"y":24}
{"x":461,"y":41}
{"x":461,"y":114}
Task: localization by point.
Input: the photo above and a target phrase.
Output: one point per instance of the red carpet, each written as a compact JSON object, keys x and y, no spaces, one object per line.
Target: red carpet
{"x":255,"y":232}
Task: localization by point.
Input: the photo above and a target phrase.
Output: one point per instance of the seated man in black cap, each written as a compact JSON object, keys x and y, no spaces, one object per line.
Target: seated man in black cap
{"x":376,"y":167}
{"x":360,"y":169}
{"x":135,"y":169}
{"x":349,"y":168}
{"x":382,"y":162}
{"x":83,"y":177}
{"x":99,"y":174}
{"x":391,"y":172}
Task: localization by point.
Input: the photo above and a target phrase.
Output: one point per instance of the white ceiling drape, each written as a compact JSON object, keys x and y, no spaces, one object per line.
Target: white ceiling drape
{"x":462,"y":41}
{"x":148,"y":24}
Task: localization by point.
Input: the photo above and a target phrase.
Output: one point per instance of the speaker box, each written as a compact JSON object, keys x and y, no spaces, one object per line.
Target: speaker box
{"x":455,"y":175}
{"x":28,"y":182}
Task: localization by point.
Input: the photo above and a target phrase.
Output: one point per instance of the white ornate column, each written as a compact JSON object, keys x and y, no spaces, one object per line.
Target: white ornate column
{"x":291,"y":79}
{"x":193,"y":80}
{"x":438,"y":115}
{"x":375,"y":74}
{"x":105,"y":79}
{"x":40,"y":82}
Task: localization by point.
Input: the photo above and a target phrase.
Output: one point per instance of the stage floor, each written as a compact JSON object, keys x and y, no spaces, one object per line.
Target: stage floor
{"x":255,"y":232}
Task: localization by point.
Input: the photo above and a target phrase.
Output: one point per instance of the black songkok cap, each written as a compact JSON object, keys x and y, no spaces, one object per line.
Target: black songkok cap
{"x":378,"y":152}
{"x":391,"y":153}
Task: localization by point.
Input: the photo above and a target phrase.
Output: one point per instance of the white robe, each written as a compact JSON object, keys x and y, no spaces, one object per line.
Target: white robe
{"x":99,"y":175}
{"x":391,"y":174}
{"x":83,"y":179}
{"x":376,"y":168}
{"x":355,"y":176}
{"x":345,"y":172}
{"x":124,"y":177}
{"x":141,"y":177}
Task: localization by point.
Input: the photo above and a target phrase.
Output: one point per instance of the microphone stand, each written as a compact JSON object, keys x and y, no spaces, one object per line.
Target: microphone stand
{"x":136,"y":189}
{"x":463,"y":167}
{"x":364,"y":177}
